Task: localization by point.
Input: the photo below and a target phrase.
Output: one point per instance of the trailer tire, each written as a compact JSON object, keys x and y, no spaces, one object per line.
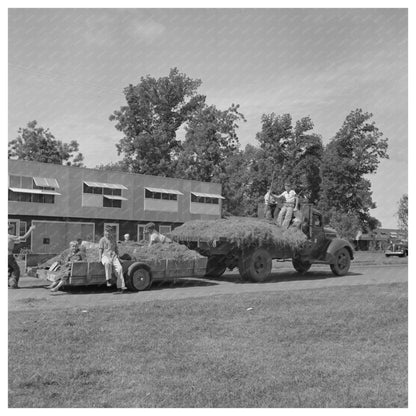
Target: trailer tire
{"x":342,"y":262}
{"x":215,"y":267}
{"x":138,"y":278}
{"x":301,"y":266}
{"x":255,"y":265}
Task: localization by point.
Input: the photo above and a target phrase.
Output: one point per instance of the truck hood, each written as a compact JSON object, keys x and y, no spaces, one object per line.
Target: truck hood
{"x":330,"y":232}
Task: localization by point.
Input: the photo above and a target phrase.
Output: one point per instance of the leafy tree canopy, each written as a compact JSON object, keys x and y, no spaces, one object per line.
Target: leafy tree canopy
{"x":39,"y":144}
{"x":355,"y":152}
{"x":155,"y":110}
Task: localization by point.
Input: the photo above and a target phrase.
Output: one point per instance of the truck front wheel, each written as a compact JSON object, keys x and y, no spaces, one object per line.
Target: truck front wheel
{"x":342,"y":262}
{"x":255,"y":265}
{"x":301,"y":266}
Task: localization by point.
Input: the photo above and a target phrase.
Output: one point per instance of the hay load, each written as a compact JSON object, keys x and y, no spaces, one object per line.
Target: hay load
{"x":241,"y":231}
{"x":134,"y":251}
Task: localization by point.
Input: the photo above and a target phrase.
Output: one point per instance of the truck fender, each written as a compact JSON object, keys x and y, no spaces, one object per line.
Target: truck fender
{"x":335,"y":245}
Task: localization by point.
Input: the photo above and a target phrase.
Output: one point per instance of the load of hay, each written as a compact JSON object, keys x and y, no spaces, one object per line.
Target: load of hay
{"x":239,"y":230}
{"x":133,"y":251}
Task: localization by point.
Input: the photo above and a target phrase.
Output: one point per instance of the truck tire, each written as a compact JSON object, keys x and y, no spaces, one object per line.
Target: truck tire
{"x":342,"y":262}
{"x":301,"y":266}
{"x":215,"y":266}
{"x":138,"y":278}
{"x":255,"y":265}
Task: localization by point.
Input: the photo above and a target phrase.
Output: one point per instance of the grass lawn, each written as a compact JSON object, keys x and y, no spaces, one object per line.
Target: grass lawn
{"x":333,"y":347}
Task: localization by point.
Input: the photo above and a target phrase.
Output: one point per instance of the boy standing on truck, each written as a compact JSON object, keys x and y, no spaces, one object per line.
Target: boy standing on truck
{"x":290,"y":206}
{"x":108,"y":251}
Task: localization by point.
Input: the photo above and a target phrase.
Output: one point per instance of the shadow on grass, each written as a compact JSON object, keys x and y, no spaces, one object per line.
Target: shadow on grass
{"x":276,"y":277}
{"x":156,"y":285}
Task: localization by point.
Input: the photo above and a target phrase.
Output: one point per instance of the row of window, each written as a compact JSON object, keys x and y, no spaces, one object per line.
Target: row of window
{"x":43,"y":184}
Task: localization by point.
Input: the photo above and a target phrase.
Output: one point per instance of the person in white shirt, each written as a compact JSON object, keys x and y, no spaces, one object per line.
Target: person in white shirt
{"x":290,"y":206}
{"x":155,"y":237}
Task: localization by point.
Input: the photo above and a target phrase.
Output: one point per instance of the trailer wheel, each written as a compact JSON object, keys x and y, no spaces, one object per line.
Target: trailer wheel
{"x":301,"y":266}
{"x":256,"y":265}
{"x":138,"y":278}
{"x":342,"y":262}
{"x":215,"y":266}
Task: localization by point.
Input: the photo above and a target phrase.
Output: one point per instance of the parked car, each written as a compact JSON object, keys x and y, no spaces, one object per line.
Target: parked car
{"x":397,"y":249}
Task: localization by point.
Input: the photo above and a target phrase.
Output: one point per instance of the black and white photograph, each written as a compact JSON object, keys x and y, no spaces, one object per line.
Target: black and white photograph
{"x":207,"y":206}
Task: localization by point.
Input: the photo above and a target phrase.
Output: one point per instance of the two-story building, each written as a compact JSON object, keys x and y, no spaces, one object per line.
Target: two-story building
{"x":66,"y":203}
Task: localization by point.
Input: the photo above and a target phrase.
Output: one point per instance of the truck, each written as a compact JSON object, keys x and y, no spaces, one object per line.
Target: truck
{"x":254,"y":261}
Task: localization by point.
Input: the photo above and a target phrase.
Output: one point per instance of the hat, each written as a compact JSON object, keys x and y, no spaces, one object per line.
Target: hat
{"x":287,"y":184}
{"x":108,"y":228}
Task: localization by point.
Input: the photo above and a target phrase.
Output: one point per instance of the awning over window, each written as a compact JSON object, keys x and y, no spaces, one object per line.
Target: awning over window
{"x":120,"y":198}
{"x":207,"y":195}
{"x":34,"y":191}
{"x":164,"y":191}
{"x":104,"y":185}
{"x":51,"y":182}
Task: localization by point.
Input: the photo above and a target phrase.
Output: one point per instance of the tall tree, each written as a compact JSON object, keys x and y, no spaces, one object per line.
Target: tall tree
{"x":39,"y":144}
{"x":210,"y":140}
{"x":355,"y":152}
{"x":402,"y":213}
{"x":155,"y":110}
{"x":303,"y":158}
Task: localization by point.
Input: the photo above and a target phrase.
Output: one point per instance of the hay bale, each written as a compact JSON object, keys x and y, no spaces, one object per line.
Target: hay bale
{"x":241,"y":231}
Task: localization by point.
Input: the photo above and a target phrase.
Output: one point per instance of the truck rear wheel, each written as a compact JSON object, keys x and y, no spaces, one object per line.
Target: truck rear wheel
{"x":215,"y":266}
{"x":255,"y":265}
{"x":138,"y":278}
{"x":342,"y":262}
{"x":301,"y":266}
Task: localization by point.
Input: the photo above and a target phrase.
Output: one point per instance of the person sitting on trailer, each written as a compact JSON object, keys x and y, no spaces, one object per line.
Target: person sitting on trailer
{"x":155,"y":236}
{"x":109,"y":258}
{"x":13,"y":267}
{"x":64,"y":269}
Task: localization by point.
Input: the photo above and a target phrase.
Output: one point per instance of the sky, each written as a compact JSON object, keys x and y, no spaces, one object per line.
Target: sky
{"x":67,"y":69}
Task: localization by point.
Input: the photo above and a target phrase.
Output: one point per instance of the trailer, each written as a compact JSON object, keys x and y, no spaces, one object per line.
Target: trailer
{"x":254,"y":261}
{"x":138,"y":274}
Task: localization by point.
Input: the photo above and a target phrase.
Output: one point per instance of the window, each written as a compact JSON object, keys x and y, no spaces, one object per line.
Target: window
{"x":158,"y":193}
{"x":111,"y":194}
{"x":204,"y":199}
{"x":141,"y":234}
{"x":316,"y":220}
{"x":111,"y":203}
{"x":29,"y":189}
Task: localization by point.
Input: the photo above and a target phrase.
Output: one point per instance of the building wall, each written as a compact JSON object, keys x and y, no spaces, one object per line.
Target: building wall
{"x":136,"y":210}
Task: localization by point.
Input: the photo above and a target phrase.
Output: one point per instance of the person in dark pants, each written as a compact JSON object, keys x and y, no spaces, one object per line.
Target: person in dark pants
{"x":14,"y":270}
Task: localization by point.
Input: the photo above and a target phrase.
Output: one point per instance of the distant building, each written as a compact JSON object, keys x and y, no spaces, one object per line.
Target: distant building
{"x":66,"y":202}
{"x":378,"y":239}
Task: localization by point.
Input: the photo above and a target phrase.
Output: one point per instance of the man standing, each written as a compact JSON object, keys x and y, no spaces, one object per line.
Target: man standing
{"x":108,"y":250}
{"x":14,"y":270}
{"x":270,"y":204}
{"x":290,"y":205}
